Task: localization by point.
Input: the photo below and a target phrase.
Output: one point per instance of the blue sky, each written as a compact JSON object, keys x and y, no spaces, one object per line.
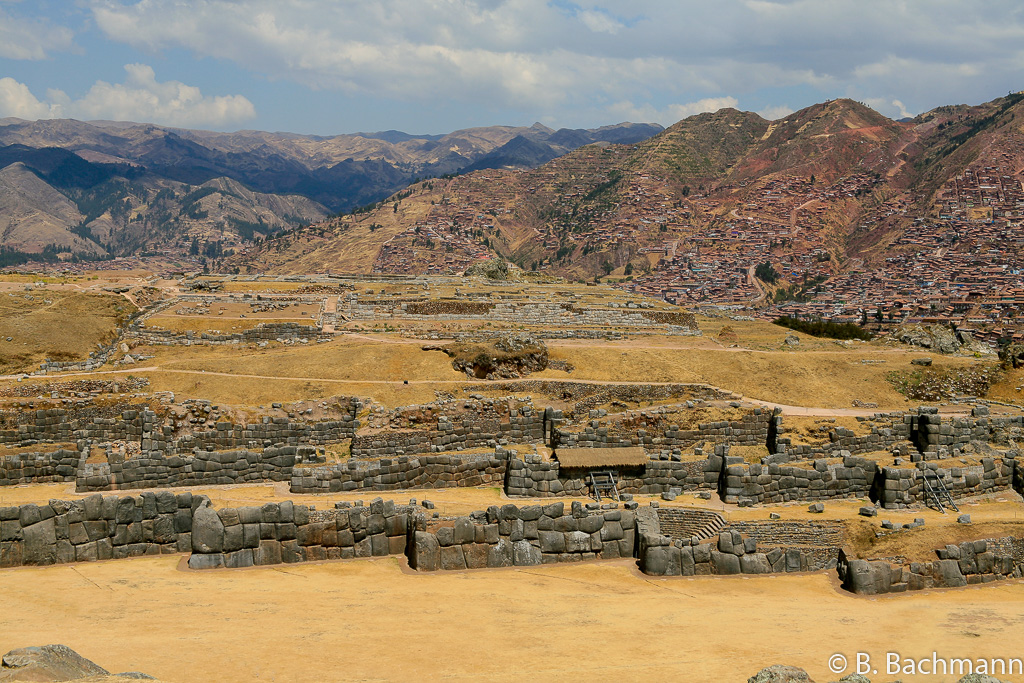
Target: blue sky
{"x":433,"y":66}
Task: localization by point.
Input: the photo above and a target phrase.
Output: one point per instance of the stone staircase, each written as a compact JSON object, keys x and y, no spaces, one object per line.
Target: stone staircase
{"x":690,"y":523}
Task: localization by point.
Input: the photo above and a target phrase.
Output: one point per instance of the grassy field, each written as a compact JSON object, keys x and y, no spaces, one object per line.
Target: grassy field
{"x":61,"y":325}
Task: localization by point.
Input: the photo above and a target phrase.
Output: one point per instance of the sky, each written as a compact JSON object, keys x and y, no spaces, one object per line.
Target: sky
{"x":433,"y":66}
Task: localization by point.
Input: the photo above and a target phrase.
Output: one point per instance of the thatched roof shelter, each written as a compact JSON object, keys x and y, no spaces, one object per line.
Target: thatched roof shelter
{"x":600,"y":458}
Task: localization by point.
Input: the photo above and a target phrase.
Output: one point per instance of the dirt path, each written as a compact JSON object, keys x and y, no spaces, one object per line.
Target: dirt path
{"x":786,"y":409}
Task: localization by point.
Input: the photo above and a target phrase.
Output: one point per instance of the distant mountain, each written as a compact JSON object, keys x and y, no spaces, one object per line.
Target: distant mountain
{"x":340,"y":172}
{"x":540,"y":144}
{"x":126,"y":187}
{"x":52,"y":201}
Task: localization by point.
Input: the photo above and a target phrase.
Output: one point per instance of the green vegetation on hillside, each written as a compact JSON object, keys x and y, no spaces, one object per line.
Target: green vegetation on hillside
{"x":821,"y":328}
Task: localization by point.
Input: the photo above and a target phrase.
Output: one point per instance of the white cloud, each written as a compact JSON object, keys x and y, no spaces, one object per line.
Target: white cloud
{"x":892,"y":108}
{"x":22,"y":38}
{"x":17,"y":100}
{"x":560,"y":58}
{"x":599,"y":22}
{"x":140,"y":98}
{"x":776,"y":112}
{"x":666,"y":116}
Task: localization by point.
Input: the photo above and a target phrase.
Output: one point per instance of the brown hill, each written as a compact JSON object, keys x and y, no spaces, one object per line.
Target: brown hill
{"x":850,"y":178}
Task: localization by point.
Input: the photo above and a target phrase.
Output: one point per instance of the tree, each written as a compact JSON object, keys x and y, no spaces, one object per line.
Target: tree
{"x":629,"y":269}
{"x":607,"y":267}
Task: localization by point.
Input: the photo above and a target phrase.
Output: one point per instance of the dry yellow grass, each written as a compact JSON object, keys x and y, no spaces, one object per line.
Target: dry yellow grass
{"x":831,"y":379}
{"x":61,"y":324}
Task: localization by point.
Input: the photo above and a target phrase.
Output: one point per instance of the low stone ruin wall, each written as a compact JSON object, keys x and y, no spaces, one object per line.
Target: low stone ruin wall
{"x":286,"y":533}
{"x":203,"y":468}
{"x":904,"y":486}
{"x":466,"y":433}
{"x":751,"y":483}
{"x":97,"y":528}
{"x":887,"y":430}
{"x":261,"y":333}
{"x":42,"y":467}
{"x":533,"y":313}
{"x":968,"y":563}
{"x":509,"y":536}
{"x":443,"y":470}
{"x":534,"y":477}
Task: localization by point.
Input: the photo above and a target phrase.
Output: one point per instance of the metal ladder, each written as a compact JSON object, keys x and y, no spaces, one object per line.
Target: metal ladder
{"x":936,"y":489}
{"x":604,"y":480}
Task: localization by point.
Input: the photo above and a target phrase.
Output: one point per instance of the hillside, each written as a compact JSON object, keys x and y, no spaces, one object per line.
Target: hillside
{"x":53,"y":202}
{"x":833,"y":211}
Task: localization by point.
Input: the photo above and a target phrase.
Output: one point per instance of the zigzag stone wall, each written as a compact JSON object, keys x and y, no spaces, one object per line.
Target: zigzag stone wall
{"x":465,"y":432}
{"x":96,"y":528}
{"x":203,"y":468}
{"x":968,"y":563}
{"x":442,"y":470}
{"x":509,"y":536}
{"x":287,"y":533}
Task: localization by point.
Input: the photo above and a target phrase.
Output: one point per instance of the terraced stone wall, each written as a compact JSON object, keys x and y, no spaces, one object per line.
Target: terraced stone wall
{"x":97,"y":528}
{"x":969,"y":563}
{"x":203,"y":468}
{"x":509,"y":536}
{"x":466,"y":431}
{"x":751,"y":483}
{"x":442,"y":470}
{"x":40,"y":467}
{"x":535,"y":477}
{"x":750,"y":430}
{"x":287,"y":533}
{"x":900,"y":487}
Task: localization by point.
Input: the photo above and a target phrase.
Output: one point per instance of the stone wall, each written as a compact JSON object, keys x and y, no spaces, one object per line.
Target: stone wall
{"x":555,"y":315}
{"x":203,"y":468}
{"x":752,"y":429}
{"x":509,"y":536}
{"x":968,"y":563}
{"x":31,"y":468}
{"x":900,"y":487}
{"x":264,"y":332}
{"x":751,"y":483}
{"x":535,"y":477}
{"x":287,"y":533}
{"x":447,"y":470}
{"x":523,"y":426}
{"x":154,"y":433}
{"x":661,"y":555}
{"x":97,"y":528}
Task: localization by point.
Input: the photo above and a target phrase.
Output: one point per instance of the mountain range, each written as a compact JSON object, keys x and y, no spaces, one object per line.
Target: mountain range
{"x":101,"y":188}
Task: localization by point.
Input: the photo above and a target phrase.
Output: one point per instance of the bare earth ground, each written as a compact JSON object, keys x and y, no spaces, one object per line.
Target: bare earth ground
{"x":369,"y":620}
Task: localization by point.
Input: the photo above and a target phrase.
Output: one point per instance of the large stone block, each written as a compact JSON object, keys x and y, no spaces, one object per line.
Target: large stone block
{"x":525,"y":555}
{"x":452,"y":558}
{"x":725,"y":563}
{"x":40,"y":543}
{"x":207,"y":530}
{"x":552,"y":542}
